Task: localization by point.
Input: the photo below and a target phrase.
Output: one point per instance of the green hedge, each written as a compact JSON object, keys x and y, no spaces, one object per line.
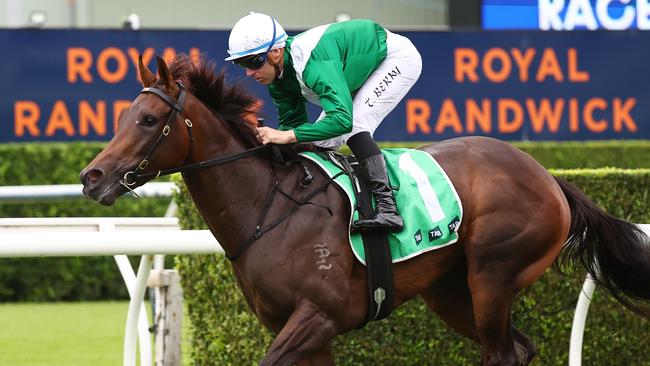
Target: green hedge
{"x":225,"y":332}
{"x":593,"y":154}
{"x":55,"y":279}
{"x":630,"y":154}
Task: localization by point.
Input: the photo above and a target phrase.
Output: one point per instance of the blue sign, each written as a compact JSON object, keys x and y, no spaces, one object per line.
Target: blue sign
{"x":566,"y":14}
{"x":66,"y":85}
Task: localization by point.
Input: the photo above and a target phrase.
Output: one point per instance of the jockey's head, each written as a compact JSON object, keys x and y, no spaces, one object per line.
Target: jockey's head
{"x":255,"y":43}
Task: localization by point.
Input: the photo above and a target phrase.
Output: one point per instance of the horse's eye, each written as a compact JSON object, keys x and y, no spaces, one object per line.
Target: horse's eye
{"x":149,"y":120}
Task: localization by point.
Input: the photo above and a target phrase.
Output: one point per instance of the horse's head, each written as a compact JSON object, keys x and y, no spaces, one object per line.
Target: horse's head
{"x":153,"y":134}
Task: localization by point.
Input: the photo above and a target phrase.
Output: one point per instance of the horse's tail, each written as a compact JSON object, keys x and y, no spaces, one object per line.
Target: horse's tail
{"x":616,"y":253}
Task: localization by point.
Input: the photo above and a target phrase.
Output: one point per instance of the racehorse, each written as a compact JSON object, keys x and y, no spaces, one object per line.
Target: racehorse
{"x":517,"y":220}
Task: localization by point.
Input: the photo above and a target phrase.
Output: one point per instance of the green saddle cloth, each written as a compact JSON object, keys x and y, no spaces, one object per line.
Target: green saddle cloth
{"x":426,"y":199}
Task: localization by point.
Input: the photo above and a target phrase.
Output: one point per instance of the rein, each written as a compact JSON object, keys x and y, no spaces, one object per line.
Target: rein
{"x":205,"y":163}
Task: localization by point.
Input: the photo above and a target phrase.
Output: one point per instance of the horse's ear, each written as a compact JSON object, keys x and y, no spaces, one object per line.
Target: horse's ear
{"x":164,"y":74}
{"x":147,"y":78}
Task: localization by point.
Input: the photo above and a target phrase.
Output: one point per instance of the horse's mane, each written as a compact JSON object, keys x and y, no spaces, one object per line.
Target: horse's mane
{"x":231,"y":102}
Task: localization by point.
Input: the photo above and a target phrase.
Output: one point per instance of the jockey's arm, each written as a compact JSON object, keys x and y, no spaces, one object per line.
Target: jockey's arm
{"x":326,"y":80}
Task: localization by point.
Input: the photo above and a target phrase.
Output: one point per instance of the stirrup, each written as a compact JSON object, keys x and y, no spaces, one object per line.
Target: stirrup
{"x":374,"y":224}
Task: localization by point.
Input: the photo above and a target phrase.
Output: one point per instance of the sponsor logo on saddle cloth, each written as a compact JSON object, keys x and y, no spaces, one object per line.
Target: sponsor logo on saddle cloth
{"x":426,"y":199}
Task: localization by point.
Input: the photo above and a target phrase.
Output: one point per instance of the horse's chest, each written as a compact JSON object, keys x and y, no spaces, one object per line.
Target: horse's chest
{"x":269,"y":284}
{"x":270,"y":299}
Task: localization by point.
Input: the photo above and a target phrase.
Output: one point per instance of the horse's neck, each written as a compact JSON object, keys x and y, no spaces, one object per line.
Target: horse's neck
{"x":230,"y":196}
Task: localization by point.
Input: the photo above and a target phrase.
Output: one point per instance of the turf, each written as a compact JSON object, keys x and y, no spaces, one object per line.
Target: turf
{"x":62,"y":334}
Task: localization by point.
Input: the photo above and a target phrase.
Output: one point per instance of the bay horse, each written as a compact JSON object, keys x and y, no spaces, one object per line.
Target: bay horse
{"x":517,"y":220}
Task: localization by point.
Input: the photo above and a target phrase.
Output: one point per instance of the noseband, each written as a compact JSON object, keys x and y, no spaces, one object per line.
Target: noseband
{"x":177,"y":108}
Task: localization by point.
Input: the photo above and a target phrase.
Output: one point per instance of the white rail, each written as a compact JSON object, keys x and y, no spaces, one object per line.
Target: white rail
{"x":50,"y":224}
{"x":120,"y":236}
{"x":67,"y":191}
{"x":580,"y":315}
{"x":75,"y":243}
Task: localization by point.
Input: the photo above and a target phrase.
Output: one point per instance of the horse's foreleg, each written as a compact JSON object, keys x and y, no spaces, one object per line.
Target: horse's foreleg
{"x":307,"y":332}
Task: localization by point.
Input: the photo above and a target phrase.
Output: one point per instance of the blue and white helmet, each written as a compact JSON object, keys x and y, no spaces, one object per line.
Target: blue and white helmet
{"x":255,"y":33}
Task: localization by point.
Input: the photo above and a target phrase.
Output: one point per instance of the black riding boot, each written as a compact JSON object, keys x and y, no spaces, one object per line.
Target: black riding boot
{"x":386,"y":215}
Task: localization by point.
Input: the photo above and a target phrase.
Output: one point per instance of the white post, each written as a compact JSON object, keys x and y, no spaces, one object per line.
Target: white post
{"x":579,"y":320}
{"x":580,"y":316}
{"x":129,"y":280}
{"x":143,"y":325}
{"x":134,"y":307}
{"x":169,"y":315}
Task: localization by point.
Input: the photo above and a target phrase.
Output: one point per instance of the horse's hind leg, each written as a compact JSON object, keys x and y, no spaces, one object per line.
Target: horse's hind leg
{"x":495,"y":275}
{"x":524,"y":346}
{"x":451,"y":299}
{"x":492,"y":301}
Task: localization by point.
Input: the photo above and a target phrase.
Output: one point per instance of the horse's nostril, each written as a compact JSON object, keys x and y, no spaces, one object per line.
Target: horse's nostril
{"x":92,"y":176}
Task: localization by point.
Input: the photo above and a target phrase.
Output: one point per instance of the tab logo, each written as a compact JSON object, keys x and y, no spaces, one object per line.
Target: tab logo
{"x":418,"y":237}
{"x":454,"y":224}
{"x":435,"y":233}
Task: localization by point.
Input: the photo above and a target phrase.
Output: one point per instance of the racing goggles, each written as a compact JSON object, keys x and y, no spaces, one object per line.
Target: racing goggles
{"x":253,"y":62}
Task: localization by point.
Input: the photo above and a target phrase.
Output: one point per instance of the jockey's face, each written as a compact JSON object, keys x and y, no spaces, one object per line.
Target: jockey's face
{"x":266,"y":74}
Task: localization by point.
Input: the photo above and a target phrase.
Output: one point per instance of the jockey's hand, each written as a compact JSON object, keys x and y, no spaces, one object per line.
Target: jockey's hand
{"x":270,"y":135}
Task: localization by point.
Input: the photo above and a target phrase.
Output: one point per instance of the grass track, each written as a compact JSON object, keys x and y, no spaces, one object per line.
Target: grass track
{"x":64,"y":334}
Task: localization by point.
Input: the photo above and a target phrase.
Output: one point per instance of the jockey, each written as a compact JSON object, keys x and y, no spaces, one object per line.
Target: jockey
{"x":355,"y":70}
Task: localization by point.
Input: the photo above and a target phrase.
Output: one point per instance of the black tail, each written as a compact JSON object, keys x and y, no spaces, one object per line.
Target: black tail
{"x":615,"y":252}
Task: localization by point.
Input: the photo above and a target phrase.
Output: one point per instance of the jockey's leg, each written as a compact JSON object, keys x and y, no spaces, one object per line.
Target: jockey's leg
{"x":378,"y":96}
{"x":374,"y":168}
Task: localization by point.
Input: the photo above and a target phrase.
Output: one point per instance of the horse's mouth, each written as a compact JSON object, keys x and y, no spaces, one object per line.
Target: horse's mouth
{"x":105,"y":195}
{"x":104,"y":188}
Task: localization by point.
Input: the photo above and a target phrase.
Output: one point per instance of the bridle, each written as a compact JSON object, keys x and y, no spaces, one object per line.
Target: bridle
{"x":131,"y":177}
{"x":177,"y":108}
